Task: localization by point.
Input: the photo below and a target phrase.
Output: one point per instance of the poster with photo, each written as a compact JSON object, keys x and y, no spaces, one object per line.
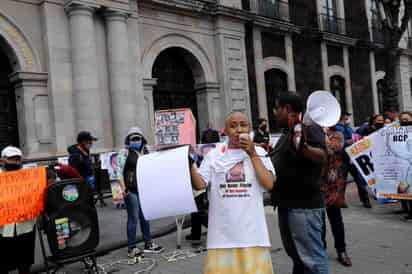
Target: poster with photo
{"x":109,"y":162}
{"x":175,"y":127}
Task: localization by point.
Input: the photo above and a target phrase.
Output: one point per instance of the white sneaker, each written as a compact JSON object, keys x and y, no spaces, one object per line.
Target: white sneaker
{"x":153,"y":248}
{"x":135,"y":253}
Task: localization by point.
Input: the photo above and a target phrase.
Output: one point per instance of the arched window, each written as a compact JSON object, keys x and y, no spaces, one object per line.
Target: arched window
{"x":381,"y":86}
{"x":337,"y":87}
{"x":276,"y":82}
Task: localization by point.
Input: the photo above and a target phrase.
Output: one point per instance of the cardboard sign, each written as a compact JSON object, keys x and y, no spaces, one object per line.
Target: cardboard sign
{"x":21,"y":194}
{"x":175,"y":127}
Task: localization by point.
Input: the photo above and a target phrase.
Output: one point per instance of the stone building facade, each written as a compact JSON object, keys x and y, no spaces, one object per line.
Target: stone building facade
{"x":106,"y":65}
{"x":90,"y":64}
{"x":335,"y":45}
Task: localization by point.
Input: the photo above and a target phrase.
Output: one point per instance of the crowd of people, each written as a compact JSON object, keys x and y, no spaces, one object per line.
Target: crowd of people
{"x":306,"y":174}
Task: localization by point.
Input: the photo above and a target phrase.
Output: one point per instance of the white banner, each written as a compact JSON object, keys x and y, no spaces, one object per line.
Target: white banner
{"x":384,"y":159}
{"x":164,"y":183}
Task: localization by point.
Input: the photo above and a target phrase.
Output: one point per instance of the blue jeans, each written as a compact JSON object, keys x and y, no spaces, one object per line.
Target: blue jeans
{"x":91,"y":182}
{"x":301,"y":233}
{"x":134,"y":212}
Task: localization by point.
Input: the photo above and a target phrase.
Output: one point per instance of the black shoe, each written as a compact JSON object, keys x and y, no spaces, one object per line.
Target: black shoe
{"x":408,"y":218}
{"x":190,"y":237}
{"x":344,"y":259}
{"x":367,"y":204}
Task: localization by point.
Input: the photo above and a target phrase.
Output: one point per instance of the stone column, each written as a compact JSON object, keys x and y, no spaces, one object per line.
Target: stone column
{"x":36,"y":123}
{"x":148,"y":85}
{"x":260,"y":74}
{"x":208,"y":104}
{"x":374,"y":82}
{"x":404,"y":84}
{"x":348,"y":82}
{"x":87,"y":105}
{"x":290,"y":62}
{"x":231,"y":65}
{"x":123,"y":99}
{"x":325,"y":65}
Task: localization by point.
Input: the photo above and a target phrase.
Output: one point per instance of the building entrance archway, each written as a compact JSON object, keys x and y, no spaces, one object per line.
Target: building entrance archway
{"x":9,"y":133}
{"x":177,"y":72}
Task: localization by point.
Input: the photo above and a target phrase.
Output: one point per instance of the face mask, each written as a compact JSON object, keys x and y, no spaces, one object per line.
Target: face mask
{"x":135,"y":145}
{"x":348,"y":121}
{"x":11,"y":167}
{"x":404,"y":124}
{"x":87,"y":146}
{"x":379,"y":125}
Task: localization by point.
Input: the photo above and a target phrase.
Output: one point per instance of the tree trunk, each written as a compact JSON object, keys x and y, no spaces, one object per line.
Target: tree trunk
{"x":390,"y":102}
{"x":392,"y":88}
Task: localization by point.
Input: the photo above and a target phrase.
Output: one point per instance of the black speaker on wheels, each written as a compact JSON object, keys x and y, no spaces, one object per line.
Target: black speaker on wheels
{"x":70,"y":219}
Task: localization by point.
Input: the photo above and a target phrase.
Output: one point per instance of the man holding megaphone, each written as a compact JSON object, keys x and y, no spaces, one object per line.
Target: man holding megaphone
{"x":298,"y":159}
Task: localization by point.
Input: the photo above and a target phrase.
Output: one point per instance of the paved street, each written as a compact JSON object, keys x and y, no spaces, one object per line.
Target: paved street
{"x":379,"y":242}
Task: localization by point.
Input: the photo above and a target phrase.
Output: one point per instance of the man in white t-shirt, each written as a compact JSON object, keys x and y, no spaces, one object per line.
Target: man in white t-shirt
{"x":238,"y":174}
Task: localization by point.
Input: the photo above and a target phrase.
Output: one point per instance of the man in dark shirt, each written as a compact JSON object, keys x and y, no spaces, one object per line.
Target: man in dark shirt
{"x":297,"y":192}
{"x":80,"y":158}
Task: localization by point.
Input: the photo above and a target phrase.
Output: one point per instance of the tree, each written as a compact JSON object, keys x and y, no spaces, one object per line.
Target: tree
{"x":390,"y":12}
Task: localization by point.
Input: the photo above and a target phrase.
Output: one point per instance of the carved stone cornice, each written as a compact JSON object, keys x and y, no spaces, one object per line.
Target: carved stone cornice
{"x":276,"y":24}
{"x":340,"y":39}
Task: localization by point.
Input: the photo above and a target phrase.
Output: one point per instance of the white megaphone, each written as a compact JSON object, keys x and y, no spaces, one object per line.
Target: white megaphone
{"x":322,"y":108}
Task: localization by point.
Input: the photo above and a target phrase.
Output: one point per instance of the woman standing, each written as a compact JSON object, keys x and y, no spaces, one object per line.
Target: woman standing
{"x":334,"y":192}
{"x":127,"y":161}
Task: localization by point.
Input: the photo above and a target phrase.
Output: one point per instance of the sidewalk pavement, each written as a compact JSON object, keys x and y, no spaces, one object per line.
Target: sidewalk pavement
{"x":378,"y":241}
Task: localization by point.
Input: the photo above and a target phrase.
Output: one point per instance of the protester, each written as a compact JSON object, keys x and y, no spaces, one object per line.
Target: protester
{"x":387,"y":121}
{"x":376,"y":122}
{"x":261,"y":134}
{"x":297,"y":193}
{"x":333,"y":188}
{"x":209,"y":136}
{"x":392,"y":115}
{"x":80,"y":158}
{"x":126,"y":168}
{"x":17,"y":240}
{"x":238,"y":240}
{"x":405,"y":119}
{"x":347,"y":131}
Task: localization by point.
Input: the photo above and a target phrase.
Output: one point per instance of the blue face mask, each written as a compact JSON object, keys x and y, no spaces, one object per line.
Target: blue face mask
{"x":136,"y":145}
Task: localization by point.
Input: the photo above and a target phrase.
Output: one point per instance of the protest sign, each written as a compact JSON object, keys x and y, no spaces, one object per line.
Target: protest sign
{"x":175,"y":127}
{"x":360,"y":154}
{"x":164,"y":183}
{"x":384,"y":159}
{"x":21,"y":194}
{"x":392,"y":157}
{"x":108,"y":161}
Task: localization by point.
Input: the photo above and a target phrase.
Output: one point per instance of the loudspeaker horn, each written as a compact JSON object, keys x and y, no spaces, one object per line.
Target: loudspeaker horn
{"x":322,"y":108}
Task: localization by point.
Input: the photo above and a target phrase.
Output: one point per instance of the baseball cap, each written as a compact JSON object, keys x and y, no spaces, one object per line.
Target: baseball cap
{"x":85,"y":136}
{"x":11,"y":151}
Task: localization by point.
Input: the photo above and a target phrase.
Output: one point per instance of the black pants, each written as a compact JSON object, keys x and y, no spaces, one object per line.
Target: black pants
{"x":407,"y":206}
{"x":17,"y":252}
{"x":200,"y":217}
{"x":337,"y":227}
{"x":360,"y":182}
